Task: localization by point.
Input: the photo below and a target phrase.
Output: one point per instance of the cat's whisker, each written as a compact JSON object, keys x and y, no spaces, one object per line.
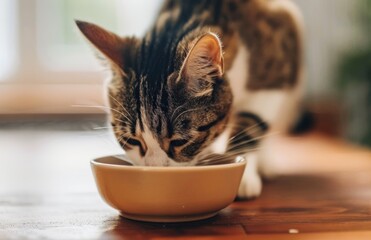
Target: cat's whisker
{"x":233,"y":153}
{"x":242,"y":150}
{"x":106,"y":138}
{"x":119,"y":120}
{"x":108,"y":128}
{"x":233,"y":126}
{"x":237,"y":148}
{"x":117,"y":132}
{"x":122,"y":138}
{"x":103,"y":107}
{"x":127,"y":136}
{"x":244,"y":131}
{"x":228,"y":157}
{"x":99,"y":128}
{"x":123,"y":115}
{"x":189,"y":110}
{"x":190,"y":141}
{"x":237,"y":139}
{"x":243,"y":144}
{"x":128,"y":114}
{"x":123,"y":134}
{"x":241,"y":136}
{"x":253,"y":139}
{"x":120,"y":134}
{"x":90,"y":106}
{"x":176,"y":109}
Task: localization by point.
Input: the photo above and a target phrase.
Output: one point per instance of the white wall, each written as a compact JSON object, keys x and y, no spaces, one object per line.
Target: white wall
{"x":331,"y":28}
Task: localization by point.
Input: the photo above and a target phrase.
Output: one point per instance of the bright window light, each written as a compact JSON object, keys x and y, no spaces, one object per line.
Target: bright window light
{"x":7,"y":37}
{"x":60,"y":44}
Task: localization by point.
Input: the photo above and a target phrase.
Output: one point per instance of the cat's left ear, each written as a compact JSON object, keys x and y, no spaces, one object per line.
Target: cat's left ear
{"x":203,"y":63}
{"x":108,"y":43}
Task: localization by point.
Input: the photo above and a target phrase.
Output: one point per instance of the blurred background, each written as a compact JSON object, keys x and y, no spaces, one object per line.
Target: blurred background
{"x":52,"y":123}
{"x":46,"y":67}
{"x":51,"y":92}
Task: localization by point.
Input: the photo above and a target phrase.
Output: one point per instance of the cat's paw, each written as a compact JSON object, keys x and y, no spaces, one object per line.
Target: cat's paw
{"x":250,"y":186}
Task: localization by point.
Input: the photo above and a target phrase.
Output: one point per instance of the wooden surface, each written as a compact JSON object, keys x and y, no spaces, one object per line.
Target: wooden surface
{"x":47,"y":192}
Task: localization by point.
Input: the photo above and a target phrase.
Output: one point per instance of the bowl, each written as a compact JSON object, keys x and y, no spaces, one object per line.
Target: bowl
{"x":167,"y":194}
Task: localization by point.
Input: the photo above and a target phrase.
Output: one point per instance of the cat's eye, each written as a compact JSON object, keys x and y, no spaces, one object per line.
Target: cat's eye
{"x":178,"y":142}
{"x":133,"y":142}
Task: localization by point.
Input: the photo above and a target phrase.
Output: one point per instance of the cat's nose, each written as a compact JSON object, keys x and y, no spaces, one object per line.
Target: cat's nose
{"x":156,"y":159}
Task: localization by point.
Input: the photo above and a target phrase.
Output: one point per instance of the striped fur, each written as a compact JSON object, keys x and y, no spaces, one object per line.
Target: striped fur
{"x":170,"y":89}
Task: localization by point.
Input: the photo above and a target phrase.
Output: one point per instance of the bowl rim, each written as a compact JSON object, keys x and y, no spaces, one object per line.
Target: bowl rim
{"x":94,"y":162}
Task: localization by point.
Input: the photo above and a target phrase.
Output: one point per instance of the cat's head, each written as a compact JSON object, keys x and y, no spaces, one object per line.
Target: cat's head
{"x":169,"y":100}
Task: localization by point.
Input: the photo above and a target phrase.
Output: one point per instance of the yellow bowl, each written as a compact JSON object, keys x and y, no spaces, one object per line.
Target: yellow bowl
{"x":167,"y":194}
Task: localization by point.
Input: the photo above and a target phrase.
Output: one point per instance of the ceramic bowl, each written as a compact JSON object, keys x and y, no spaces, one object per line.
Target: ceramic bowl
{"x":167,"y":194}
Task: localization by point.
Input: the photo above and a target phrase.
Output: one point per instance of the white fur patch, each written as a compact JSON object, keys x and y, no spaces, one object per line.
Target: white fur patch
{"x":220,"y":145}
{"x":276,"y":107}
{"x":238,"y":74}
{"x":251,"y":183}
{"x":266,"y":103}
{"x":155,"y":155}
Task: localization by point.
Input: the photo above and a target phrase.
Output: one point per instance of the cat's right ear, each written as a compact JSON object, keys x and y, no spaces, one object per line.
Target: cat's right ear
{"x":204,"y":63}
{"x":108,"y":43}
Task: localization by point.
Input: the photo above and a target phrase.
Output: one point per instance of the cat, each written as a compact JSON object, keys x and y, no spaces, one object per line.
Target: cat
{"x":209,"y":77}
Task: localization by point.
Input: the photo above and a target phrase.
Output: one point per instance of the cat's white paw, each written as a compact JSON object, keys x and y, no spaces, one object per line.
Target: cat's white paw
{"x":251,"y":183}
{"x":251,"y":186}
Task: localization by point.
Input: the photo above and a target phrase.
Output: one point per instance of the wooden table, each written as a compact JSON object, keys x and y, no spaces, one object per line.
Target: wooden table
{"x":52,"y":196}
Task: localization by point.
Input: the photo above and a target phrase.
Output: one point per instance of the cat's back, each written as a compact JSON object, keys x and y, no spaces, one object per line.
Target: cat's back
{"x":261,"y":39}
{"x":266,"y":33}
{"x":269,"y":55}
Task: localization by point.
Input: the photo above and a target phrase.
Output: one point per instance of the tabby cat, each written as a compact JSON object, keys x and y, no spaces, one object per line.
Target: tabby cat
{"x":209,"y":77}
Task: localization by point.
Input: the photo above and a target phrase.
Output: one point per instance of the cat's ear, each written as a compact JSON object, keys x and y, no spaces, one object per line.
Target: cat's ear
{"x":203,"y":64}
{"x":108,"y":43}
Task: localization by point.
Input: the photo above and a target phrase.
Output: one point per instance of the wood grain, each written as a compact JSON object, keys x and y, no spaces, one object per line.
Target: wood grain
{"x":59,"y":201}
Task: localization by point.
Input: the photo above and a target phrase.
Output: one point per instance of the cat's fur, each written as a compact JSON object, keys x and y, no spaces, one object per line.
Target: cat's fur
{"x":210,"y":76}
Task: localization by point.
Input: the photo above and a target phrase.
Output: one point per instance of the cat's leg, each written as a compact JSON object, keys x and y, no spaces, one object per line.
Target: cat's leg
{"x":239,"y":137}
{"x":280,"y":109}
{"x":244,"y":140}
{"x":260,"y":114}
{"x":284,"y":108}
{"x":251,"y":183}
{"x":272,"y":34}
{"x":271,"y":51}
